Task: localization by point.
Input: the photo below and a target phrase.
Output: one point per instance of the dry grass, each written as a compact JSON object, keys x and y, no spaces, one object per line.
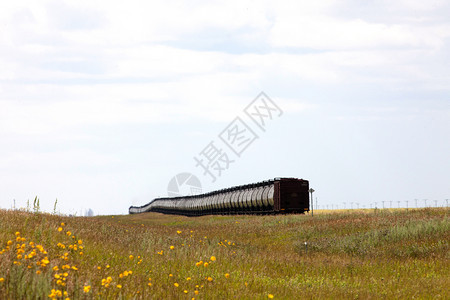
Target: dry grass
{"x":350,"y":254}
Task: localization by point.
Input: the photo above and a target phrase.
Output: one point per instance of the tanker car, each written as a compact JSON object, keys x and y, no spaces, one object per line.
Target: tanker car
{"x":280,"y":195}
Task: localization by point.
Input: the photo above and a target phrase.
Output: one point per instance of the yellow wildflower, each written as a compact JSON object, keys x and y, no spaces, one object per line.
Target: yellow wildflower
{"x":227,"y":275}
{"x":119,"y":286}
{"x":210,"y":279}
{"x":45,"y":261}
{"x":176,"y":284}
{"x":87,"y":288}
{"x":178,"y":231}
{"x":172,"y":247}
{"x":2,"y":279}
{"x":130,"y":257}
{"x":213,"y":258}
{"x":60,"y":229}
{"x":205,"y":264}
{"x":270,"y":296}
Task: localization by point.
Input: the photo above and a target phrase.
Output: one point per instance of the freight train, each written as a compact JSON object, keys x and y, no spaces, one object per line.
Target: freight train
{"x":280,"y":195}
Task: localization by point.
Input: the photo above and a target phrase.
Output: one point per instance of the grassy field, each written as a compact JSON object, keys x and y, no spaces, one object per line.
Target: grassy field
{"x":353,"y":254}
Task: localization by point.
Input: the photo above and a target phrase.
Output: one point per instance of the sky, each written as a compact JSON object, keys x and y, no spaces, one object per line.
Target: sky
{"x":103,"y":103}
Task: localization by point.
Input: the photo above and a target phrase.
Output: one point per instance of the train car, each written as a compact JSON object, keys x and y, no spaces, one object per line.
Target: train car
{"x":280,"y":195}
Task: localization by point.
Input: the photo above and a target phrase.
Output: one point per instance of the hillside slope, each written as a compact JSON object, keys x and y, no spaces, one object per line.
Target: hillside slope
{"x":349,"y":254}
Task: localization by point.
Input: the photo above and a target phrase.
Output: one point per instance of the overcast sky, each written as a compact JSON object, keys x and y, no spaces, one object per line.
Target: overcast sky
{"x":103,"y":102}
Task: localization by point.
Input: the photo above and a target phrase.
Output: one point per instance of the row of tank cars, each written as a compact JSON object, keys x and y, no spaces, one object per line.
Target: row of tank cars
{"x":280,"y":195}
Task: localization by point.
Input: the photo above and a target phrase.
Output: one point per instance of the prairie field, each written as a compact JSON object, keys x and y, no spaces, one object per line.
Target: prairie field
{"x":347,"y":254}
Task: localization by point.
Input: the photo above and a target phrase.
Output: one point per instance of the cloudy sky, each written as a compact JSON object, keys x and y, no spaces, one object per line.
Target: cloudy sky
{"x":103,"y":102}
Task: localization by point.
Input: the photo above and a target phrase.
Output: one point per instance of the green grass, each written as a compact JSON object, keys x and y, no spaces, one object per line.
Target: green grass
{"x":367,"y":254}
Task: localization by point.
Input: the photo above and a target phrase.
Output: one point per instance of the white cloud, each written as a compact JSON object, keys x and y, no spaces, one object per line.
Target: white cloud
{"x":197,"y":97}
{"x":326,"y":33}
{"x":162,"y":61}
{"x":71,"y":65}
{"x":415,"y":5}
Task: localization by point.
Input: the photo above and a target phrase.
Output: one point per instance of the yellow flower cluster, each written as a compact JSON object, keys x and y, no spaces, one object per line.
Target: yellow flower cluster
{"x":205,"y":264}
{"x":125,"y":274}
{"x":60,"y":266}
{"x":36,"y":258}
{"x":226,"y":243}
{"x":106,"y":281}
{"x":58,"y":293}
